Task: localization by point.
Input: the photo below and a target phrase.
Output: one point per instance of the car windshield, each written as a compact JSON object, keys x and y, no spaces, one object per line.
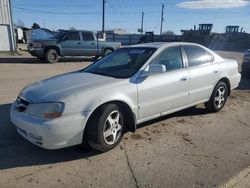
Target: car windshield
{"x":122,"y":63}
{"x":59,"y":35}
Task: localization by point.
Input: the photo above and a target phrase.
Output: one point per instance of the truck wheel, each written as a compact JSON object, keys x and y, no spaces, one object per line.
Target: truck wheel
{"x":107,"y":52}
{"x":218,"y":98}
{"x":105,"y":128}
{"x":96,"y":57}
{"x":51,"y":56}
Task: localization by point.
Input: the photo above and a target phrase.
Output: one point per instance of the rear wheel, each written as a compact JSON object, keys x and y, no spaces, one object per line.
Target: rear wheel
{"x":51,"y":56}
{"x":107,"y":52}
{"x":96,"y":57}
{"x":105,"y":128}
{"x":218,"y":97}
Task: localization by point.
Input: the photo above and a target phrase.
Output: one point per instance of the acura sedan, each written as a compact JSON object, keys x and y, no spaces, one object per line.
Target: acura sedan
{"x":97,"y":105}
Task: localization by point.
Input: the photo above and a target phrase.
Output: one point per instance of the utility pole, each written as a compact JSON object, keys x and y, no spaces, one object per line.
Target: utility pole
{"x":162,"y":19}
{"x":103,"y":15}
{"x":142,"y":15}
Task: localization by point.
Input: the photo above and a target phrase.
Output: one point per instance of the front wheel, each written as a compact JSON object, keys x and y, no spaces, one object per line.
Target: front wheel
{"x":218,"y":98}
{"x":51,"y":56}
{"x":105,"y":128}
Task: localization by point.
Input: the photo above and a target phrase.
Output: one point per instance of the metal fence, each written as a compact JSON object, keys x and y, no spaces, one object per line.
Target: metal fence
{"x":125,"y":39}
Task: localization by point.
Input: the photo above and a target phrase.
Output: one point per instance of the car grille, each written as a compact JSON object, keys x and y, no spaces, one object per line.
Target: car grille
{"x":21,"y":104}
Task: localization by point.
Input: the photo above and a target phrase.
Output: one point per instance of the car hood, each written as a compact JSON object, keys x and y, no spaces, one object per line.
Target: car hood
{"x":63,"y":86}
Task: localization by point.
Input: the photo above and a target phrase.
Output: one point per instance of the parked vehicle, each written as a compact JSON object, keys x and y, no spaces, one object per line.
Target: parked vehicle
{"x":132,"y":85}
{"x":245,"y":67}
{"x":71,"y":43}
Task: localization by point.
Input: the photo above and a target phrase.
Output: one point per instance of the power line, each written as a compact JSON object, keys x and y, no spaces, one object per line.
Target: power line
{"x":51,"y":12}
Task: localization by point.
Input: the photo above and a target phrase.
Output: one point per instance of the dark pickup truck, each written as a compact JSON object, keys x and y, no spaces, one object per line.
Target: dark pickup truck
{"x":71,"y":43}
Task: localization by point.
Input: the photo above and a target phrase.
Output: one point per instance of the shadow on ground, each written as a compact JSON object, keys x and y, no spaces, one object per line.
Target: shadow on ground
{"x":34,"y":60}
{"x":15,"y":151}
{"x":244,"y":84}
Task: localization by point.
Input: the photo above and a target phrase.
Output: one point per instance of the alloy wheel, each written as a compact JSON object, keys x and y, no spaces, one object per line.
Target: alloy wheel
{"x":112,"y":128}
{"x":219,"y":99}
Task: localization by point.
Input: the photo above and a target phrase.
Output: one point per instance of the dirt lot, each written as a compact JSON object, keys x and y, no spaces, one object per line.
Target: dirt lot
{"x":191,"y":148}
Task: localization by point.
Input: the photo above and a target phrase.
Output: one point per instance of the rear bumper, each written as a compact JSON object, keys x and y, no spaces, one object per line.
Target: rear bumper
{"x":235,"y":80}
{"x":49,"y":134}
{"x":38,"y":52}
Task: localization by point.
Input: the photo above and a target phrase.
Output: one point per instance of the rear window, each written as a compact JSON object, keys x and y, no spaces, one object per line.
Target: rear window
{"x":87,"y":36}
{"x":197,"y":55}
{"x":73,"y":36}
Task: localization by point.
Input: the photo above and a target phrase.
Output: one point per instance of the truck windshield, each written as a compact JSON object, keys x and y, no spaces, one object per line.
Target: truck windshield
{"x":122,"y":63}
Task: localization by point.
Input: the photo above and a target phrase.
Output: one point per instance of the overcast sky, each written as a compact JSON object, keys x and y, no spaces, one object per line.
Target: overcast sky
{"x":126,"y":14}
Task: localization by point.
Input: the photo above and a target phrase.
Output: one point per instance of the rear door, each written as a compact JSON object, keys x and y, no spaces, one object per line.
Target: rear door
{"x":203,"y":72}
{"x":89,"y":44}
{"x":166,"y":91}
{"x":71,"y":44}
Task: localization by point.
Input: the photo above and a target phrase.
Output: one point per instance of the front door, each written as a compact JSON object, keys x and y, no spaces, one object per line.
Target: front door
{"x":71,"y":44}
{"x":89,"y":44}
{"x":166,"y":91}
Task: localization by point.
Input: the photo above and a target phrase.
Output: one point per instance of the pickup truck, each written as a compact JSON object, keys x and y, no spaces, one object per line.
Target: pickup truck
{"x":71,"y":43}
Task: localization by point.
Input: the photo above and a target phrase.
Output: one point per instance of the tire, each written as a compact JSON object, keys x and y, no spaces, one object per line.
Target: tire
{"x":105,"y":128}
{"x":218,"y":98}
{"x":107,"y":52}
{"x":51,"y":56}
{"x":96,"y":57}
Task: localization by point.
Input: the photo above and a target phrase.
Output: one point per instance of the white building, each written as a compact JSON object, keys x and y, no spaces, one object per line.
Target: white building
{"x":7,"y":37}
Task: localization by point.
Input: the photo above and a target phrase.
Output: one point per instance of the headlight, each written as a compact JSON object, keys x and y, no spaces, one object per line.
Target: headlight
{"x":45,"y":110}
{"x":37,"y":45}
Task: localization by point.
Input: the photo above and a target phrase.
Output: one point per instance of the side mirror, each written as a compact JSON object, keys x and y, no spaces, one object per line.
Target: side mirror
{"x":153,"y":69}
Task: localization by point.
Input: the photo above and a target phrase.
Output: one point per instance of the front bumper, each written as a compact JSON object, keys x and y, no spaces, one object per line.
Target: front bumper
{"x":38,"y":52}
{"x":49,"y":134}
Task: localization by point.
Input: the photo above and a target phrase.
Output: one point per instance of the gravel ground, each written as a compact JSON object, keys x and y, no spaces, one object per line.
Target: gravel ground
{"x":191,"y":148}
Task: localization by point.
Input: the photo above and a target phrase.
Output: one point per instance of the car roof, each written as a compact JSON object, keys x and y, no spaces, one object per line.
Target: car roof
{"x":163,"y":44}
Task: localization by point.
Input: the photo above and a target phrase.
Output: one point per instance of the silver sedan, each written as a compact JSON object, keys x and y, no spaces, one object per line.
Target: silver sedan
{"x":97,"y":105}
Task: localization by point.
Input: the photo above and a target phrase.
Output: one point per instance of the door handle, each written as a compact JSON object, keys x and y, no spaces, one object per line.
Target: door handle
{"x":184,"y":78}
{"x":93,"y":43}
{"x":79,"y":43}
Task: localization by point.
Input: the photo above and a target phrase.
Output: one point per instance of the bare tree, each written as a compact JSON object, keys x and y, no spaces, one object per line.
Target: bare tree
{"x":168,"y":33}
{"x":20,"y":23}
{"x":72,"y":28}
{"x":35,"y":26}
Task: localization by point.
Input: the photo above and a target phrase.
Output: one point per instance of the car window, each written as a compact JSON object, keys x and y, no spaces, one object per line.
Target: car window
{"x":73,"y":36}
{"x":86,"y":36}
{"x":196,"y":55}
{"x":171,"y":58}
{"x":122,"y":59}
{"x":122,"y":63}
